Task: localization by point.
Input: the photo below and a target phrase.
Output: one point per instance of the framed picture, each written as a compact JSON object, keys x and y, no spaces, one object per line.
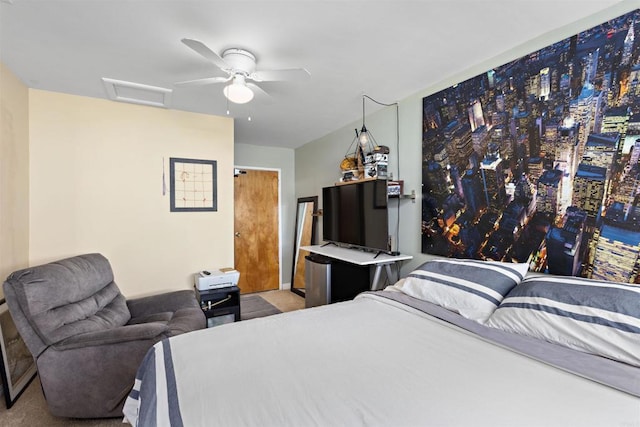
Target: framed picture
{"x":193,"y":185}
{"x":17,"y":367}
{"x":394,"y":188}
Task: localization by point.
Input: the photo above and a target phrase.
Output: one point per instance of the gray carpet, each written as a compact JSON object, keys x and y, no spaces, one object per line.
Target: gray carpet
{"x":30,"y":410}
{"x":253,"y":305}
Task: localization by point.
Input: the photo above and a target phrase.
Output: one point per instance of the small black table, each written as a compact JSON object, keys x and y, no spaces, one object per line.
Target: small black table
{"x":219,"y":304}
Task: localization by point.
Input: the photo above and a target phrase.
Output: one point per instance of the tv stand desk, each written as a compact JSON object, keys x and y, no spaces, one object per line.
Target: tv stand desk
{"x":360,"y":257}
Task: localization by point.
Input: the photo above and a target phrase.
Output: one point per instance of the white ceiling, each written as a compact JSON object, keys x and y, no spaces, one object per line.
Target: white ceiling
{"x":386,"y":49}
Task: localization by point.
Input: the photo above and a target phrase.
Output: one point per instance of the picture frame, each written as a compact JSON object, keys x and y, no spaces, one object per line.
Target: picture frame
{"x":193,"y":185}
{"x":17,"y":367}
{"x":395,"y":188}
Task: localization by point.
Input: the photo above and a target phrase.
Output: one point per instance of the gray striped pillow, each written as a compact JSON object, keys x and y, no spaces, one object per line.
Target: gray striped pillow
{"x":472,"y":288}
{"x":596,"y":317}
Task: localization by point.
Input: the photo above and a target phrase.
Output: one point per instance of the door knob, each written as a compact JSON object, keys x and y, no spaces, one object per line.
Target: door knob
{"x":237,"y":234}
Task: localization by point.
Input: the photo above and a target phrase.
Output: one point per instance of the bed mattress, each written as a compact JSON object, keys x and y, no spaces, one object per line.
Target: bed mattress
{"x":373,"y":361}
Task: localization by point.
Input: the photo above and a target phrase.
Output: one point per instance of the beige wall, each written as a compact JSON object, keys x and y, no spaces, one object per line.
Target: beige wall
{"x":14,"y":173}
{"x":96,"y":186}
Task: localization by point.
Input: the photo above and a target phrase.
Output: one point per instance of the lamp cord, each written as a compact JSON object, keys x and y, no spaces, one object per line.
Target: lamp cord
{"x":397,"y":105}
{"x":397,"y":124}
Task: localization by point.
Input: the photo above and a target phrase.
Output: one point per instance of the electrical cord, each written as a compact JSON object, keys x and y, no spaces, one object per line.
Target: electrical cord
{"x":397,"y":105}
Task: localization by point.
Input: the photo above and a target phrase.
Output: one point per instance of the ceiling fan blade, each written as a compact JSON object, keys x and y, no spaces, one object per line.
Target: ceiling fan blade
{"x":258,"y":91}
{"x":291,"y":74}
{"x":203,"y":50}
{"x":202,"y":82}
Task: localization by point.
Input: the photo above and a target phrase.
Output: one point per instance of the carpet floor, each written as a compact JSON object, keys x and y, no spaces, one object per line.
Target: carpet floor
{"x":30,"y":410}
{"x":253,"y":306}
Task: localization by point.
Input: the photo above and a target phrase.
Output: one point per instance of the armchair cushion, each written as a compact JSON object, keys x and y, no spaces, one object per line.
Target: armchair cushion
{"x":165,"y":316}
{"x":166,"y":302}
{"x":187,"y":319}
{"x":69,"y":297}
{"x":180,"y":309}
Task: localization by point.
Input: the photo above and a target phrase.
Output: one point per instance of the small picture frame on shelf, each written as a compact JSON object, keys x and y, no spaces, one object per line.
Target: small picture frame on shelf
{"x":394,"y":188}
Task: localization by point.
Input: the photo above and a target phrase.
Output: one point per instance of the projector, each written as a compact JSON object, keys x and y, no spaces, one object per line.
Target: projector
{"x":214,"y":279}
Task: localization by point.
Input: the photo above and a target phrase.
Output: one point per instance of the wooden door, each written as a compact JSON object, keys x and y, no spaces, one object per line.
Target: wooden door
{"x":256,"y":248}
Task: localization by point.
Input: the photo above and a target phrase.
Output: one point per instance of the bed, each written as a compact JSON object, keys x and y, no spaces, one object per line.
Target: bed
{"x":392,"y":358}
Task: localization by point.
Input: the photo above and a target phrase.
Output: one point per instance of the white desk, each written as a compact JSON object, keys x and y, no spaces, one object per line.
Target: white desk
{"x":360,"y":257}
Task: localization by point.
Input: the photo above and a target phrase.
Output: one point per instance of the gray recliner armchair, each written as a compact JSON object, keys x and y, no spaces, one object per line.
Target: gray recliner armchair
{"x":86,"y":339}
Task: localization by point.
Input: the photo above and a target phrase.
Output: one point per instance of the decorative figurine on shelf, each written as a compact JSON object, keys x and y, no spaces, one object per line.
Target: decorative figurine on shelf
{"x":349,"y":168}
{"x":376,"y":162}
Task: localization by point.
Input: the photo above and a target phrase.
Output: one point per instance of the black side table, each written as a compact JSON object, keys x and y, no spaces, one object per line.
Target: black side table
{"x":220,"y":304}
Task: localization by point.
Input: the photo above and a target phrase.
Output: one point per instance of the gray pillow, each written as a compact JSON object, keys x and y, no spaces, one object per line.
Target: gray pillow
{"x":471,"y":288}
{"x":596,"y":317}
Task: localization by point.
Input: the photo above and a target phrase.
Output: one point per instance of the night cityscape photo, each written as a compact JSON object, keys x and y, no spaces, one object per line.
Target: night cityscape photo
{"x":536,"y":161}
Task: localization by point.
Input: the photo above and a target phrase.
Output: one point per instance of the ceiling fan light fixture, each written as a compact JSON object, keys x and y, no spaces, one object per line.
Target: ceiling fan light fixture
{"x":238,"y":92}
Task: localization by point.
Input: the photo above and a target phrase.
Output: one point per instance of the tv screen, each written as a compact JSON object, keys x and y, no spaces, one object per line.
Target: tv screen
{"x":355,"y":214}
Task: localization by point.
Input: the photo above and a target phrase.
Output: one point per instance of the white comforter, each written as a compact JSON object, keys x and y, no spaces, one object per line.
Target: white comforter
{"x":371,"y":362}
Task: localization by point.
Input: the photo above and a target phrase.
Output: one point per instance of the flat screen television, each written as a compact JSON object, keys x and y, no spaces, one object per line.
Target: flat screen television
{"x":355,"y":214}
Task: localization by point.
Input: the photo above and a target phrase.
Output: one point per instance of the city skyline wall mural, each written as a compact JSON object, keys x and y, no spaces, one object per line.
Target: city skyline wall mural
{"x":536,"y":160}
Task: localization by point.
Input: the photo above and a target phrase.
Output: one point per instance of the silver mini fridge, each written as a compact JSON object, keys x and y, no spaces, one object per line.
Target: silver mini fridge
{"x":317,"y":280}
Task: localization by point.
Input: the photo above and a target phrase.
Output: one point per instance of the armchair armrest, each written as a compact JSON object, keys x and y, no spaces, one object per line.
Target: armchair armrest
{"x":170,"y":301}
{"x":121,"y":334}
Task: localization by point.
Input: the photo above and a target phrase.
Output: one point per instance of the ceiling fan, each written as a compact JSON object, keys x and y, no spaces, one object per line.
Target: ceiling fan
{"x":240,"y":67}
